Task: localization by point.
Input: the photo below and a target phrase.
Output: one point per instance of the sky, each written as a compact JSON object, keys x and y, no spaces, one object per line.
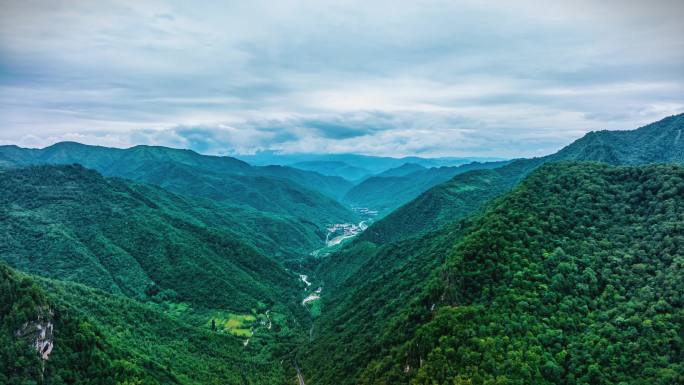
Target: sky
{"x":392,"y":78}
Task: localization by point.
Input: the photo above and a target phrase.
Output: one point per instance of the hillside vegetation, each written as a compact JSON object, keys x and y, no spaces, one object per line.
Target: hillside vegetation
{"x":112,"y":340}
{"x":575,"y":277}
{"x":70,"y":223}
{"x":158,"y":266}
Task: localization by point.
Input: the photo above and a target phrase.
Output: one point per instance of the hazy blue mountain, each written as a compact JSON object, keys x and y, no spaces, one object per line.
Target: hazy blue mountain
{"x":333,"y":168}
{"x":403,"y":170}
{"x":374,"y":164}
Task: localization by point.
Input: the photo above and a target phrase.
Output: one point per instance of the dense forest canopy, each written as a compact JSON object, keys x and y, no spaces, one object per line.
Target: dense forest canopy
{"x":112,"y":340}
{"x":575,"y":277}
{"x":69,"y":222}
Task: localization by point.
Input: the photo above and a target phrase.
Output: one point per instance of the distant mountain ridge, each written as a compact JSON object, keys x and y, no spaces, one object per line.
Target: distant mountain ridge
{"x":333,"y":168}
{"x":403,"y":170}
{"x":374,"y":164}
{"x":115,"y":161}
{"x":307,"y":196}
{"x":659,"y":142}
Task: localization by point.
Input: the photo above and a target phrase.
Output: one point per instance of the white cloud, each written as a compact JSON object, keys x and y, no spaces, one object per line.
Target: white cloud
{"x":466,"y":77}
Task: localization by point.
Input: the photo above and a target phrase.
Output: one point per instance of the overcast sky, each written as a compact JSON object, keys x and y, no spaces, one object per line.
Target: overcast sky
{"x":426,"y":78}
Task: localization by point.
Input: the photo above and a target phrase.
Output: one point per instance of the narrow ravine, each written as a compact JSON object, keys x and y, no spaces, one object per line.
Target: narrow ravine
{"x":316,"y":294}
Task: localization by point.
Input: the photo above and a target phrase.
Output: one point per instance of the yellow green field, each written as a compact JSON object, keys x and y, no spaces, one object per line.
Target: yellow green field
{"x":236,"y":324}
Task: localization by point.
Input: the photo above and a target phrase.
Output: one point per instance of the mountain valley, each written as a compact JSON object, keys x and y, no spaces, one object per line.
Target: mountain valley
{"x":152,"y":265}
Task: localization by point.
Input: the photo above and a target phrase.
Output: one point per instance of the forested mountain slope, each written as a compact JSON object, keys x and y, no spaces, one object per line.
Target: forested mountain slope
{"x":659,"y":142}
{"x":328,"y":185}
{"x":448,"y":201}
{"x":360,"y":301}
{"x":70,"y":223}
{"x":574,"y":277}
{"x":95,"y":338}
{"x":115,"y":161}
{"x":386,"y":192}
{"x":280,"y":190}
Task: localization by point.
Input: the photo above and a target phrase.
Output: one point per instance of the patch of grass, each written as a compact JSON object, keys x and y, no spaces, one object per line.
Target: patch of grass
{"x":175,"y":309}
{"x":237,"y":324}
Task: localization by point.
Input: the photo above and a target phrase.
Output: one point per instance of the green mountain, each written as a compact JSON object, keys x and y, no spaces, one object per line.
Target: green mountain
{"x":387,"y":191}
{"x":659,"y":142}
{"x":329,"y":185}
{"x":333,"y":168}
{"x":381,"y":272}
{"x":307,"y":196}
{"x":549,"y":270}
{"x":71,"y":223}
{"x":574,"y":277}
{"x":91,"y":337}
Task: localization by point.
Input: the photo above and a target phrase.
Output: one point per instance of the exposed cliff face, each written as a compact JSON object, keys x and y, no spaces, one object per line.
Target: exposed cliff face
{"x":39,"y":332}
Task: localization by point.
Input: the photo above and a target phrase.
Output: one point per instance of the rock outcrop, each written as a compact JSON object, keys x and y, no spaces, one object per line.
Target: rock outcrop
{"x":39,"y":332}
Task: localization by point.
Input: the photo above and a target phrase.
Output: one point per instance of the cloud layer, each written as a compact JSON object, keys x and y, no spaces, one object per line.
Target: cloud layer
{"x":379,"y":77}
